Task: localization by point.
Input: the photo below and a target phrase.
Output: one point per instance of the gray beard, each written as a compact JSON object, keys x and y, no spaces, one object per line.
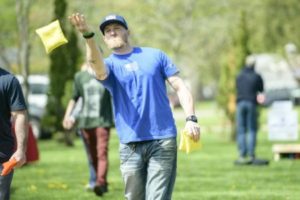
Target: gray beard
{"x":116,"y":43}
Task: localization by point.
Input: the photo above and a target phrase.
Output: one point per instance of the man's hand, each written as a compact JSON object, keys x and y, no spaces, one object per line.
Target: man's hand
{"x":68,"y":123}
{"x":8,"y":166}
{"x":19,"y":157}
{"x":16,"y":160}
{"x":193,"y":130}
{"x":79,"y":22}
{"x":260,"y":98}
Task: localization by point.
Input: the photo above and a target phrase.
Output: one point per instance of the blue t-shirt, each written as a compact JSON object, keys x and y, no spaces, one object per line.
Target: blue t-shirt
{"x":137,"y":83}
{"x":11,"y":99}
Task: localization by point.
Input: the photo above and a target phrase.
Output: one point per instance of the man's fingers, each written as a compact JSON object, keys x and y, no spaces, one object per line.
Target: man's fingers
{"x":81,"y":19}
{"x":194,"y":130}
{"x":196,"y":136}
{"x":191,"y":132}
{"x":78,"y":20}
{"x":75,"y":19}
{"x":196,"y":133}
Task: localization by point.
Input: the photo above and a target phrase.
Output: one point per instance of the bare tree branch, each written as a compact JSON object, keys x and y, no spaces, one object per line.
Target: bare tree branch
{"x":22,"y":10}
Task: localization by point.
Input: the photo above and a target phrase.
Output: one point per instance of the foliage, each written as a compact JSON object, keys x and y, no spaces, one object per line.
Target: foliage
{"x":197,"y":35}
{"x":8,"y":23}
{"x":234,"y":62}
{"x":281,"y":24}
{"x":68,"y":93}
{"x":23,"y":54}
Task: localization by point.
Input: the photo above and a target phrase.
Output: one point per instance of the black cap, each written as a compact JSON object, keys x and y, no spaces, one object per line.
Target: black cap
{"x":112,"y":18}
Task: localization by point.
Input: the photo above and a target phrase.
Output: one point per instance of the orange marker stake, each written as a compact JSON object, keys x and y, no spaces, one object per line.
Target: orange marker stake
{"x":8,"y":166}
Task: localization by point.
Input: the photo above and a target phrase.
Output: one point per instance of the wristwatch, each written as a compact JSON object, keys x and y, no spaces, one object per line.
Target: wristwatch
{"x":192,"y":118}
{"x":88,"y":35}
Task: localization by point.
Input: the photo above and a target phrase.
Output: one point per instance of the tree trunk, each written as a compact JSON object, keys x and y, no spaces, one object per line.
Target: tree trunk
{"x":22,"y":10}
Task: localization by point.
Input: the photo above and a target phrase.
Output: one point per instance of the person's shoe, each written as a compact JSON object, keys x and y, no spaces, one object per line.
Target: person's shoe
{"x":242,"y":161}
{"x":100,"y":189}
{"x":88,"y":187}
{"x":256,"y":161}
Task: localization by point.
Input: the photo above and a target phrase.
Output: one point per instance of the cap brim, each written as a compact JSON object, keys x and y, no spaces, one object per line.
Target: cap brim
{"x":104,"y":24}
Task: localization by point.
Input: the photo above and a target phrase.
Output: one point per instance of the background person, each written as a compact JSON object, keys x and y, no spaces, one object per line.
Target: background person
{"x":72,"y":119}
{"x":94,"y":122}
{"x":249,"y":87}
{"x":12,"y":107}
{"x":136,"y":78}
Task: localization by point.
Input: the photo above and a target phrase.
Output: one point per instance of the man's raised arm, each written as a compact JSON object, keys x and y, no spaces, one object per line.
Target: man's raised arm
{"x":93,"y":54}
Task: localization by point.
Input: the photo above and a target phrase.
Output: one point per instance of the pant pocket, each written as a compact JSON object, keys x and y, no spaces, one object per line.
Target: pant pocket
{"x":125,"y":151}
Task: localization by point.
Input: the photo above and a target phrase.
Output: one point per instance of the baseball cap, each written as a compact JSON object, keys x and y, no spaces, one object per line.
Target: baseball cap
{"x":112,"y":18}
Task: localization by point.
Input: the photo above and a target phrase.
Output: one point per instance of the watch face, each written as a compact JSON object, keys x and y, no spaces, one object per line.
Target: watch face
{"x":192,"y":118}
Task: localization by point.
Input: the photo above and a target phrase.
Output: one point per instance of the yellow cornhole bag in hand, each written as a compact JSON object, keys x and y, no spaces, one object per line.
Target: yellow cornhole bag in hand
{"x":51,"y":36}
{"x":187,"y":144}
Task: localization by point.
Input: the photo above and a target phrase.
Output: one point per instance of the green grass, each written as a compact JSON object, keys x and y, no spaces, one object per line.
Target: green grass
{"x":209,"y":173}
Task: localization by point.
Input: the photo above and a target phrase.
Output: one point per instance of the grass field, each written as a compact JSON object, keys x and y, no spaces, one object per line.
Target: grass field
{"x":209,"y":173}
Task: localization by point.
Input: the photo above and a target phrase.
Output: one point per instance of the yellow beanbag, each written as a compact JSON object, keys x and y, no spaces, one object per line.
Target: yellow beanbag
{"x":51,"y":36}
{"x":187,"y":144}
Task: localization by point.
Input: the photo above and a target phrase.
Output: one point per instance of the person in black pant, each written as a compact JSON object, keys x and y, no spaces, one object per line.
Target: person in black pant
{"x":249,"y":87}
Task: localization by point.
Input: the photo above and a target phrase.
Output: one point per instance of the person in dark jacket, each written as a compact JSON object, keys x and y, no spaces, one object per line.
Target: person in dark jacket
{"x":249,"y":87}
{"x":13,"y":110}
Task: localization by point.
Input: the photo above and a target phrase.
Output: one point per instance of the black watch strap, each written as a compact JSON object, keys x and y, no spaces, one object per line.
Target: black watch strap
{"x":192,"y":118}
{"x":88,"y":35}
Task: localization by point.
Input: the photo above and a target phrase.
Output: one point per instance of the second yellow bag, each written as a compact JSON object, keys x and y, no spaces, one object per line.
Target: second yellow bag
{"x":187,"y":144}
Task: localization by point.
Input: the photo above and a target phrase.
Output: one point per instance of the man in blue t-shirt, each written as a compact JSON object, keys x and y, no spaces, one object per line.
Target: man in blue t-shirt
{"x":136,"y":78}
{"x":12,"y":107}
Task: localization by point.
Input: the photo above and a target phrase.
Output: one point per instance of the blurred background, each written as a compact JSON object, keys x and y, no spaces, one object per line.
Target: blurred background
{"x":207,"y":39}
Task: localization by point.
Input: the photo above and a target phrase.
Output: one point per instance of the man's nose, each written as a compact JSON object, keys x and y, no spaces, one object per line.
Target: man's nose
{"x":112,"y":32}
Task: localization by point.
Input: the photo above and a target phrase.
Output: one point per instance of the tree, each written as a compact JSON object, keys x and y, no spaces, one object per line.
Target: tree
{"x":281,"y":24}
{"x":63,"y":66}
{"x":8,"y":33}
{"x":22,"y":10}
{"x":233,"y":63}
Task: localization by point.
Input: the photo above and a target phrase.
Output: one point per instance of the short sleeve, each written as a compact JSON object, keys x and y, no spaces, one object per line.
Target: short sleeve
{"x":76,"y":92}
{"x":16,"y":97}
{"x":167,"y":66}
